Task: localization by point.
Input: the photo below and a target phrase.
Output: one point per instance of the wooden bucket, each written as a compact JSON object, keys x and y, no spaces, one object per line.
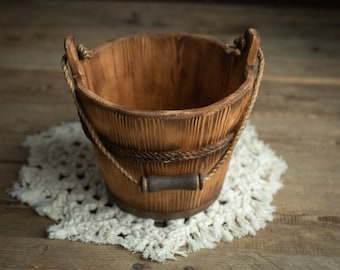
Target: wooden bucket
{"x":164,"y":112}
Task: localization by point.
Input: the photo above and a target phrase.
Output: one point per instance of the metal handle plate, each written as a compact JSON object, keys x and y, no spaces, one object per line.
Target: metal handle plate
{"x":155,"y":183}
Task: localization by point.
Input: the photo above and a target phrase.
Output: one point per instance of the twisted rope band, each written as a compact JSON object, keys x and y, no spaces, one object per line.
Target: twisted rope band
{"x":166,"y":157}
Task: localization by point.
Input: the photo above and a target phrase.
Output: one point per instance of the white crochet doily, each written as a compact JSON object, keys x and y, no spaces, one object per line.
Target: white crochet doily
{"x":62,"y":181}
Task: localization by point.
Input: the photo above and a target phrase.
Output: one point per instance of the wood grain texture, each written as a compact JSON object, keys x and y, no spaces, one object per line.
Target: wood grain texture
{"x":171,"y":92}
{"x":297,"y":113}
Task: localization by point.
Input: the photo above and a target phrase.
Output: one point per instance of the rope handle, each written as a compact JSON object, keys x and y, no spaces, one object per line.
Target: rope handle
{"x":83,"y":53}
{"x":256,"y":87}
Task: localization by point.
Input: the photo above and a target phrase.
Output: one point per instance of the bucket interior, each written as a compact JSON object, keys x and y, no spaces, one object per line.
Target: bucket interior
{"x":163,"y":72}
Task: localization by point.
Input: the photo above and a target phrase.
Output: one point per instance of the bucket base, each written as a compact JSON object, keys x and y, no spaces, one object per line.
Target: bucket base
{"x":155,"y":215}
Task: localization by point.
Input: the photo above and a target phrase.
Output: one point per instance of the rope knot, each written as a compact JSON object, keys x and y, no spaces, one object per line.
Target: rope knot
{"x":240,"y":43}
{"x":237,"y":47}
{"x":83,"y":52}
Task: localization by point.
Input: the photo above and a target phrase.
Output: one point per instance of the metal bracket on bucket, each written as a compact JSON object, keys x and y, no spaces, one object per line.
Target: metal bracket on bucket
{"x":154,"y":183}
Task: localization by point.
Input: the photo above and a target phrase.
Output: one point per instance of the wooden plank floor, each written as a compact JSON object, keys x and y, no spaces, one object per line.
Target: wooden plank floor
{"x":297,"y":113}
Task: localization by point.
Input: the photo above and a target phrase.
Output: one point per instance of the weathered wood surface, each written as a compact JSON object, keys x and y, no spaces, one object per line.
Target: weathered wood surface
{"x":297,"y":113}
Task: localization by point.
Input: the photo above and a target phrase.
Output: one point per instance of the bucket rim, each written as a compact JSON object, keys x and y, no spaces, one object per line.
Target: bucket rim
{"x":245,"y":87}
{"x":176,"y":113}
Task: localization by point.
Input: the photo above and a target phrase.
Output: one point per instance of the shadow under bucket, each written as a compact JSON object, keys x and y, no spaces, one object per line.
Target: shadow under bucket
{"x":164,"y":112}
